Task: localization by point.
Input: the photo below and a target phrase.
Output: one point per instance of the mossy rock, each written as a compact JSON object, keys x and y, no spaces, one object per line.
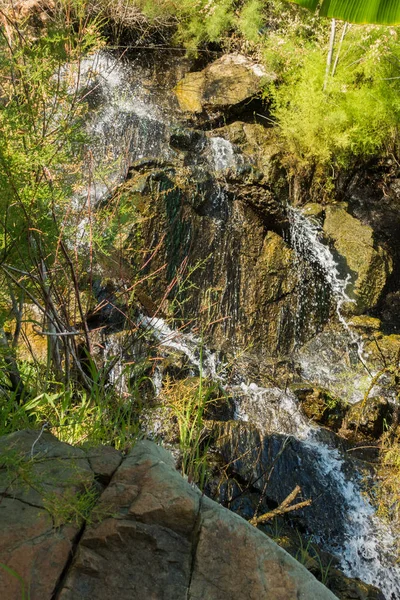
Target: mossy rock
{"x":369,"y":419}
{"x":262,"y":146}
{"x":365,"y":324}
{"x":369,"y":265}
{"x":321,"y":406}
{"x":314,"y":210}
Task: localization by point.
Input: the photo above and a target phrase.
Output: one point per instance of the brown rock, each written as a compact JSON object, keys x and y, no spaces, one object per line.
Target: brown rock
{"x":369,"y":264}
{"x":36,"y":473}
{"x":167,"y":542}
{"x":156,"y":538}
{"x":104,"y":461}
{"x":225,"y":82}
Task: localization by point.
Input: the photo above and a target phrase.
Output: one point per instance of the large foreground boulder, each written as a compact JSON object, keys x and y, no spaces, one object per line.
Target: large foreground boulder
{"x":150,"y":536}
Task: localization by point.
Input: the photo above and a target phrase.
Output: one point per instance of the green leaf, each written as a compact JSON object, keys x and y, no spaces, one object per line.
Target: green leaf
{"x":382,"y":12}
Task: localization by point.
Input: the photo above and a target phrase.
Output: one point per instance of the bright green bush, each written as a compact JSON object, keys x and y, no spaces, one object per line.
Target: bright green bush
{"x":252,"y":20}
{"x":197,"y":22}
{"x":353,"y":113}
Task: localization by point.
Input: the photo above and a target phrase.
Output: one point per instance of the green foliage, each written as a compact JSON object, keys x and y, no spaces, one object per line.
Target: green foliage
{"x":188,"y":400}
{"x":386,"y":490}
{"x":41,"y":140}
{"x":25,"y":592}
{"x":356,"y":11}
{"x":72,"y":413}
{"x":198,"y":22}
{"x":251,"y":20}
{"x":355,"y":113}
{"x":73,"y":507}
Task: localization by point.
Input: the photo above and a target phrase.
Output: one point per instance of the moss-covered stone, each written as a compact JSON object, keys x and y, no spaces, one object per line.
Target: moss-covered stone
{"x":365,"y":323}
{"x":369,"y":266}
{"x":321,"y":406}
{"x":369,"y":419}
{"x":314,"y":210}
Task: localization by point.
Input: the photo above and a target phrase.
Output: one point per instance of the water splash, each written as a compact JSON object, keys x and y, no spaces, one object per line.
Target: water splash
{"x":223,"y":154}
{"x":366,"y":546}
{"x":307,"y":240}
{"x":186,"y":343}
{"x":271,"y":410}
{"x":123,"y":124}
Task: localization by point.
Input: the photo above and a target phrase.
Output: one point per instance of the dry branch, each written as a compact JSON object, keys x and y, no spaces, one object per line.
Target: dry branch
{"x":285,"y":507}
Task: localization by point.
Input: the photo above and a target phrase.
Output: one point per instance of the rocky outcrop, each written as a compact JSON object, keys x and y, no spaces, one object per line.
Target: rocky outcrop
{"x":369,"y":265}
{"x":150,"y":535}
{"x":230,"y":80}
{"x":41,"y":481}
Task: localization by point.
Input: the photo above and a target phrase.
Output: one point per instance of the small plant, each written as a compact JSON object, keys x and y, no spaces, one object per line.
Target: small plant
{"x":73,"y":497}
{"x":386,"y":490}
{"x":73,"y":507}
{"x":25,"y":593}
{"x":309,"y":556}
{"x":188,"y":400}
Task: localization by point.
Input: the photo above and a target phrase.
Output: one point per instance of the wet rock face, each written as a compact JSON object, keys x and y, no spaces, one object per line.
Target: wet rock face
{"x":374,"y":199}
{"x":218,"y":228}
{"x":370,"y":418}
{"x":369,"y":266}
{"x":214,"y":203}
{"x":273,"y":465}
{"x":320,"y":406}
{"x":332,"y":360}
{"x":153,"y":536}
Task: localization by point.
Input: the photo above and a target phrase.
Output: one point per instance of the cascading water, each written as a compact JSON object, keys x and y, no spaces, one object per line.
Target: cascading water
{"x":223,"y":154}
{"x":127,"y":126}
{"x":306,"y":239}
{"x":124,"y":124}
{"x":364,"y":545}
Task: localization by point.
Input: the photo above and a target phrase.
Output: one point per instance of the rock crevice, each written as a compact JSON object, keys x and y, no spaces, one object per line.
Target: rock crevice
{"x":150,"y":536}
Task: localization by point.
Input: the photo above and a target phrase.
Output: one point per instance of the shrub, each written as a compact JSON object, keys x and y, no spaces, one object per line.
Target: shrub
{"x":354,"y":113}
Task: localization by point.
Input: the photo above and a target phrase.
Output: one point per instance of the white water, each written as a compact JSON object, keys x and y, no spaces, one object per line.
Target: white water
{"x":223,"y":154}
{"x":124,"y":125}
{"x":367,"y":547}
{"x":306,"y":238}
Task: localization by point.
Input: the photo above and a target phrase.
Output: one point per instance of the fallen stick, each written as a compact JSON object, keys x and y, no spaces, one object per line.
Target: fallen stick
{"x":284,"y":507}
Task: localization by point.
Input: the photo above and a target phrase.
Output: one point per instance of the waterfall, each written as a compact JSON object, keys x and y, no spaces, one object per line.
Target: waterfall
{"x":127,"y":125}
{"x":223,"y":155}
{"x":306,"y":239}
{"x":365,"y":546}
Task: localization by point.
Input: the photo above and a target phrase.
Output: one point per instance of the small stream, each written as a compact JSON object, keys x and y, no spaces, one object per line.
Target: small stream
{"x":128,"y":125}
{"x":363,"y":543}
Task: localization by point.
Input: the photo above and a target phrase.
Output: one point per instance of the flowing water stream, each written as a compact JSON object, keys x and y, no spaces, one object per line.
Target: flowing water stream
{"x":306,"y":239}
{"x":365,"y":546}
{"x":128,"y":125}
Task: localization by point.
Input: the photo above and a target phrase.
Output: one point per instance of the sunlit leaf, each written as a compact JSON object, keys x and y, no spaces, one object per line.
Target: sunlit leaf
{"x":383,"y":12}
